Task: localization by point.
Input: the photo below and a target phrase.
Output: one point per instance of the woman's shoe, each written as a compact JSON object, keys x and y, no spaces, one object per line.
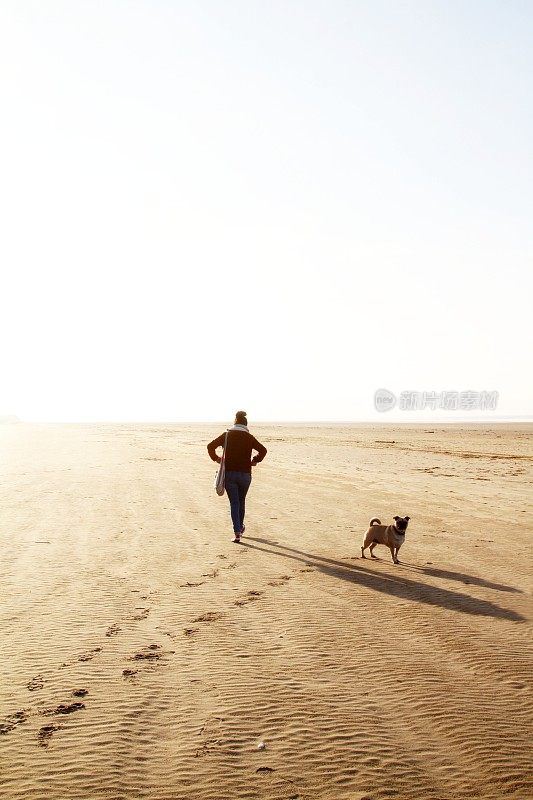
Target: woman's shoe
{"x":243,"y":529}
{"x":237,"y":538}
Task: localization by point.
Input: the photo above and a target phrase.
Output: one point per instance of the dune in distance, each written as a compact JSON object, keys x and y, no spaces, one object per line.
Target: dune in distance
{"x":144,"y":655}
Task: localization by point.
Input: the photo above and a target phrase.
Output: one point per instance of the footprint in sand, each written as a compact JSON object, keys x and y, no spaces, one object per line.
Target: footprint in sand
{"x":45,"y":734}
{"x":190,"y":631}
{"x":89,"y":655}
{"x":5,"y":728}
{"x":36,"y":683}
{"x":63,"y":708}
{"x":112,"y":630}
{"x":150,"y":653}
{"x":231,"y":566}
{"x":80,"y":692}
{"x":250,"y":597}
{"x":212,"y":574}
{"x":12,"y":720}
{"x":281,"y":580}
{"x":129,"y":673}
{"x":143,"y":614}
{"x":17,"y":717}
{"x":190,"y":585}
{"x":210,"y":616}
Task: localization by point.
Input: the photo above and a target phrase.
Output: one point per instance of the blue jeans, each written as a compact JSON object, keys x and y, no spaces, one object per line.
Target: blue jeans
{"x":237,"y":485}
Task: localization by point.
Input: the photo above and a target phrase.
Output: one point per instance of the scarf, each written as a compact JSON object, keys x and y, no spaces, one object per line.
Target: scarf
{"x":240,"y":428}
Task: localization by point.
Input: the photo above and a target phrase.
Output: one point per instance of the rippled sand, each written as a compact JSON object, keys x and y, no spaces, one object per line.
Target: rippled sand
{"x":146,"y":656}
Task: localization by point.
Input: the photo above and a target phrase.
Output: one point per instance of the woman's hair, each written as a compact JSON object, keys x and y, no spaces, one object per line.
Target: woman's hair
{"x":240,"y":418}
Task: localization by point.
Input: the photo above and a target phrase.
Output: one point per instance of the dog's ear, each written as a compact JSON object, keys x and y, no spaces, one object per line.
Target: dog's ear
{"x":396,"y":517}
{"x":407,"y":519}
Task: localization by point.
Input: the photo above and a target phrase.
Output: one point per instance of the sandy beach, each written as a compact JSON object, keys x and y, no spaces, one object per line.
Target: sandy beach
{"x":146,"y":656}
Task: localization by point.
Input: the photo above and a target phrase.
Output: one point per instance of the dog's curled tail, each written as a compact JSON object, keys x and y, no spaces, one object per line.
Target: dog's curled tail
{"x":374,"y":521}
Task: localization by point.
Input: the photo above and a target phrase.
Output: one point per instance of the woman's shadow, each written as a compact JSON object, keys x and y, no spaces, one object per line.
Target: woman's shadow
{"x":397,"y":585}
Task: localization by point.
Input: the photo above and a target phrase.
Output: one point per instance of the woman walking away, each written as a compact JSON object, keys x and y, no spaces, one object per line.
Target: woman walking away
{"x":239,"y":463}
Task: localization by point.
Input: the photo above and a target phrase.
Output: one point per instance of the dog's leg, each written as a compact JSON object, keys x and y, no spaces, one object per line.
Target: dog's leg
{"x":372,"y":549}
{"x":366,"y":541}
{"x":391,"y":548}
{"x":397,"y":551}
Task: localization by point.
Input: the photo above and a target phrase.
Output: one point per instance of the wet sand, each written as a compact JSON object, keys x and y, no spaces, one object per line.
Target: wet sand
{"x":146,"y":656}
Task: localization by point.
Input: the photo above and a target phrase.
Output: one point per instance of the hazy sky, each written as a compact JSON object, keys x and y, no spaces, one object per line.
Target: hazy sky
{"x":275,"y":206}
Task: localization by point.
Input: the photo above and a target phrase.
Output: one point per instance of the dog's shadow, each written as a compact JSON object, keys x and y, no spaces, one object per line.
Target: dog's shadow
{"x":396,"y":585}
{"x":463,"y":578}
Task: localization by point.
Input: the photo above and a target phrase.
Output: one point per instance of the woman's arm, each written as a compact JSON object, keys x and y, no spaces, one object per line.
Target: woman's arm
{"x":212,"y":447}
{"x":261,"y":451}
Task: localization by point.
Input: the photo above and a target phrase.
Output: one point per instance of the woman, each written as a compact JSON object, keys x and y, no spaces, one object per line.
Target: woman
{"x":239,"y":463}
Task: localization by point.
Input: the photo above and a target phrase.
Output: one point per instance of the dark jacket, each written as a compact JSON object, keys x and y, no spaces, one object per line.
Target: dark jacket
{"x":239,"y":450}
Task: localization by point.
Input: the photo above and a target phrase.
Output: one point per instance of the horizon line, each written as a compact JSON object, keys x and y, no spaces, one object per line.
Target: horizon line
{"x":13,"y":420}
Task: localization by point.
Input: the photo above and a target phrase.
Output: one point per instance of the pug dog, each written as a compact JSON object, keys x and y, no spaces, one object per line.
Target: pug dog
{"x":393,"y":536}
